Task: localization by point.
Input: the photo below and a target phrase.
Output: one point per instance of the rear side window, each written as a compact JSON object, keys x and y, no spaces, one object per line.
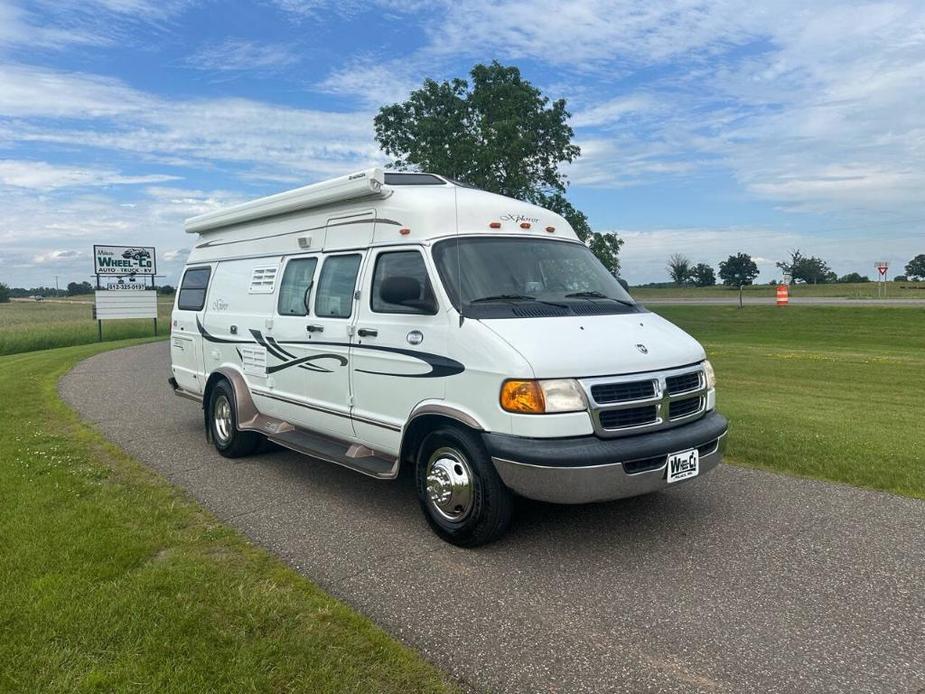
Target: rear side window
{"x":193,"y":289}
{"x":402,"y":266}
{"x":336,"y":286}
{"x":296,"y":288}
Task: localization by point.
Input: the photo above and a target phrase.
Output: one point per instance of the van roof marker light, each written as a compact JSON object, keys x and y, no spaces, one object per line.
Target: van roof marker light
{"x":525,"y":225}
{"x":495,"y":225}
{"x":550,"y":229}
{"x":404,"y":231}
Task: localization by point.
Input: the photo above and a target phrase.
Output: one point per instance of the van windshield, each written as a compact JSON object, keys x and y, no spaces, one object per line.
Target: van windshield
{"x":507,"y":277}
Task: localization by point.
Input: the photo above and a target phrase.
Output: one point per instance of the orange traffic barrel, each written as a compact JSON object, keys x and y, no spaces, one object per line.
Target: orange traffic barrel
{"x":783,"y":297}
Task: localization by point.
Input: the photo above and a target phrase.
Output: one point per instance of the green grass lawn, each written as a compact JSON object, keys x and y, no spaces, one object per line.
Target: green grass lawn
{"x":112,"y":580}
{"x":865,"y":290}
{"x":26,"y":326}
{"x":827,"y":392}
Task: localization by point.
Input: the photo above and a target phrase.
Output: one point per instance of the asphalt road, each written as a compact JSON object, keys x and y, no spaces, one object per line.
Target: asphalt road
{"x":733,"y":299}
{"x":742,"y":582}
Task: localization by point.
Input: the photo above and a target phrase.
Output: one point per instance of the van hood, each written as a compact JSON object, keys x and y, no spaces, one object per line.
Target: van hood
{"x":586,"y":346}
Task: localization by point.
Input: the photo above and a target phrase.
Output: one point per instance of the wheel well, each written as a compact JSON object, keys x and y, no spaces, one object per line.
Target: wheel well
{"x":214,"y":378}
{"x":419,"y":428}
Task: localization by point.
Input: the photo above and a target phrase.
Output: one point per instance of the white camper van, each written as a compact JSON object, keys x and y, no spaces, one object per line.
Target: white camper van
{"x":387,"y":319}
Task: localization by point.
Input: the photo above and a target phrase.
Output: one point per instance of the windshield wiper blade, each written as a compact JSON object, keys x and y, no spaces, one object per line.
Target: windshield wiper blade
{"x":597,"y":295}
{"x":515,"y":297}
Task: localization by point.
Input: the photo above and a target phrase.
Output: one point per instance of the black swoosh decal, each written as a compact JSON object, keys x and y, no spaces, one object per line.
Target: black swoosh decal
{"x":440,"y":366}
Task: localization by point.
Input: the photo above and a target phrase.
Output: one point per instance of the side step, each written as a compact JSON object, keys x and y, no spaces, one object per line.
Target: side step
{"x":358,"y":458}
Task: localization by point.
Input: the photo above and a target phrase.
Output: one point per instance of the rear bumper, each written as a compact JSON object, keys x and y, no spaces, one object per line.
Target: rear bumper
{"x":586,"y":468}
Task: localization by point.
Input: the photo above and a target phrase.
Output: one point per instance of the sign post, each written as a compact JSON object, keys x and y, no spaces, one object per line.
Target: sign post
{"x":882,"y":266}
{"x":119,"y":293}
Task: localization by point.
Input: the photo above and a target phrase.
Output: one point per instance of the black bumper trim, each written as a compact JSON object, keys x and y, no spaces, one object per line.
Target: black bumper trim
{"x":582,"y":451}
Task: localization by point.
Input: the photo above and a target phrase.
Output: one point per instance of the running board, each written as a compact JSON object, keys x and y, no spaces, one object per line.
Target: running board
{"x":358,"y":458}
{"x":350,"y":455}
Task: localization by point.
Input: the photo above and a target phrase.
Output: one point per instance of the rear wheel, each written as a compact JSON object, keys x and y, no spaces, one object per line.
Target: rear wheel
{"x":464,"y":500}
{"x":227,"y":438}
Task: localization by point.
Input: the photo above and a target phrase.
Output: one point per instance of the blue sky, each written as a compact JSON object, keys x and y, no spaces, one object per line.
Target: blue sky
{"x":707,"y":128}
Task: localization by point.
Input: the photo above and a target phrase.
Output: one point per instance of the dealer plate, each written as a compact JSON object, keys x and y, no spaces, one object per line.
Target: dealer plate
{"x":683,"y":465}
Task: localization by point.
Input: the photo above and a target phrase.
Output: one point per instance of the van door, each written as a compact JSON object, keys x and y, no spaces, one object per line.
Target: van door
{"x":317,"y":376}
{"x":290,"y":378}
{"x":399,"y":356}
{"x":185,"y":340}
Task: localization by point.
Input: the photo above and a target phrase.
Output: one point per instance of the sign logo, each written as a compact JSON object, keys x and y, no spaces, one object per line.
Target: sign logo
{"x":518,"y":218}
{"x":642,"y":348}
{"x":120,"y":261}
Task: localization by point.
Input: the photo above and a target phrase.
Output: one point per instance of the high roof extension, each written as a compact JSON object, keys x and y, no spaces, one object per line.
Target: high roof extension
{"x":366,"y":183}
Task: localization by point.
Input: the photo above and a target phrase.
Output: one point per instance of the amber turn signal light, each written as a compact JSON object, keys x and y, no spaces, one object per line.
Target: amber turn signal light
{"x":525,"y":397}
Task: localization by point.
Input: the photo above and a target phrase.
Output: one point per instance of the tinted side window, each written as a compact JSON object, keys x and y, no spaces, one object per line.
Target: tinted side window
{"x":404,"y":264}
{"x":336,"y":286}
{"x":193,"y":289}
{"x":296,"y":287}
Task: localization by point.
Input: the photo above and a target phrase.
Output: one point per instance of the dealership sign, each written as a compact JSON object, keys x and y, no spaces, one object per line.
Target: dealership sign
{"x":124,"y":260}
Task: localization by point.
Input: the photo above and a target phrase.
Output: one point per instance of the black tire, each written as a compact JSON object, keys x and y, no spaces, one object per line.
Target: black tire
{"x":222,"y":421}
{"x":451,"y":455}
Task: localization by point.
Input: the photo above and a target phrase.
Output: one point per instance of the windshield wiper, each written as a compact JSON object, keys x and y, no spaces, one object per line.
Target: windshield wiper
{"x":514,"y":297}
{"x":597,"y":295}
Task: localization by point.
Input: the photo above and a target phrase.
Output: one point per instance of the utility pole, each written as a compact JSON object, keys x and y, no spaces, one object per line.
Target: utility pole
{"x":56,"y":285}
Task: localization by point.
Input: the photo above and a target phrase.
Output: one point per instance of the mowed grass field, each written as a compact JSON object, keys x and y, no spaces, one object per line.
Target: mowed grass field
{"x":114,"y":581}
{"x":828,"y":392}
{"x":863,"y":290}
{"x":26,"y":326}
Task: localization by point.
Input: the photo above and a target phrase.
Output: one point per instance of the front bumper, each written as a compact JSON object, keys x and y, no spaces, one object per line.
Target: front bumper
{"x":586,"y":468}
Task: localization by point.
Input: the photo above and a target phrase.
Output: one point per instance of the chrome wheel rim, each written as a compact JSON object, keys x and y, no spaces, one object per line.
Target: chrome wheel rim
{"x":222,"y":418}
{"x":449,"y":484}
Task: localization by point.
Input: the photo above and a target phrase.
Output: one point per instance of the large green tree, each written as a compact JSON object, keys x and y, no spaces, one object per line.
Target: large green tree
{"x":4,"y":293}
{"x":809,"y":269}
{"x":915,"y":268}
{"x":500,"y":134}
{"x":738,"y":270}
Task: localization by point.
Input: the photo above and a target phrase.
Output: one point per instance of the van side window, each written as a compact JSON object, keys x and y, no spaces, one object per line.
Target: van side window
{"x":396,"y":275}
{"x":193,"y":289}
{"x":296,"y":287}
{"x":336,"y":286}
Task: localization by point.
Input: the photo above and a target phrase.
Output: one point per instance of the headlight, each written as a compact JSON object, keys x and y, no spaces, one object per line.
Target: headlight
{"x":542,"y":397}
{"x":709,"y":374}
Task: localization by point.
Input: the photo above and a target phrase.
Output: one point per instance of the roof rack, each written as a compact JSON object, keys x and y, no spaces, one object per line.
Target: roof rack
{"x":355,"y":185}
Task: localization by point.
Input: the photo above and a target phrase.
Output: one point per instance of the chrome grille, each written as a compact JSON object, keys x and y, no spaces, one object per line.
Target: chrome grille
{"x":630,"y":404}
{"x":683,"y":408}
{"x":684,"y":383}
{"x":630,"y":417}
{"x":623,"y":392}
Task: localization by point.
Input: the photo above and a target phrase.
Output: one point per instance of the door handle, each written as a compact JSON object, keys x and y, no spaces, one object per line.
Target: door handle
{"x":234,"y":329}
{"x":315,"y":328}
{"x":367,"y":332}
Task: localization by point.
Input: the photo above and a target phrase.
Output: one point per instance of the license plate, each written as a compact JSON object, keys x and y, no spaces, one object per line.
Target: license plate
{"x":683,"y":465}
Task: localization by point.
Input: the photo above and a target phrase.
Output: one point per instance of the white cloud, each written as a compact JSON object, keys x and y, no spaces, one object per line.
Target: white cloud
{"x":57,"y":256}
{"x":106,"y":114}
{"x":44,"y":176}
{"x":235,"y":54}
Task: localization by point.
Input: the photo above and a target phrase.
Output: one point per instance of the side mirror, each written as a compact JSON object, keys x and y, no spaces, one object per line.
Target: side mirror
{"x":402,"y":291}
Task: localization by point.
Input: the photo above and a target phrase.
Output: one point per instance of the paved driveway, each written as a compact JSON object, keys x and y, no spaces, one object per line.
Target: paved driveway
{"x":743,"y":582}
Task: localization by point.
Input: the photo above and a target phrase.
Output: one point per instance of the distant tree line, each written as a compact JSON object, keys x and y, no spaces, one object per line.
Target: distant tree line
{"x":741,"y":270}
{"x":73,"y":289}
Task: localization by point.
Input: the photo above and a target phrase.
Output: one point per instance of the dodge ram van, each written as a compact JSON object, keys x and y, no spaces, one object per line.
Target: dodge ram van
{"x":382,"y":319}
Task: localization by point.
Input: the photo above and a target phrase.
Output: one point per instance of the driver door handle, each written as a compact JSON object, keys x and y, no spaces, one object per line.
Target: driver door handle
{"x":367,"y":332}
{"x":315,"y":328}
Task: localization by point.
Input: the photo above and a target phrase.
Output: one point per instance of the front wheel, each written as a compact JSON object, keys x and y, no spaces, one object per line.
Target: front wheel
{"x":222,"y":419}
{"x":462,"y":497}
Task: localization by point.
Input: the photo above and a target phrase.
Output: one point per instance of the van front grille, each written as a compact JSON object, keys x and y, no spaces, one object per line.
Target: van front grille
{"x":629,"y":417}
{"x":683,"y":383}
{"x":684,"y":408}
{"x":623,"y":392}
{"x":634,"y":403}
